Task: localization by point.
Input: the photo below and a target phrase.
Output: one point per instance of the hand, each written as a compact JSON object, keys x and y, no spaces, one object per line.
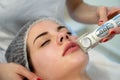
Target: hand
{"x":106,"y":14}
{"x":12,"y":71}
{"x":112,"y":33}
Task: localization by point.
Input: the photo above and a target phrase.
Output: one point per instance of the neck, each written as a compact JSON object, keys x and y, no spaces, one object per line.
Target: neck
{"x":82,"y":76}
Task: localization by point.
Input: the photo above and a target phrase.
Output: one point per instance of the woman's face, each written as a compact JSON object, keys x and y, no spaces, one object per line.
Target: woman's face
{"x":53,"y":51}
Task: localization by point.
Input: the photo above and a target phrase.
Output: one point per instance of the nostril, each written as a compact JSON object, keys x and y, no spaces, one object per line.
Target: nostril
{"x":67,"y":37}
{"x":61,"y":39}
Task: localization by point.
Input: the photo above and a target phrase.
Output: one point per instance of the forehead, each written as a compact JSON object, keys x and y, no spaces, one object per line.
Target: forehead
{"x":42,"y":26}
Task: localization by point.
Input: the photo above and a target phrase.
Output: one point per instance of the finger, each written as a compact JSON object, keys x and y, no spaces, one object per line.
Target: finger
{"x":114,"y":31}
{"x":13,"y":76}
{"x":17,"y":77}
{"x":113,"y":12}
{"x":27,"y":74}
{"x":102,"y":15}
{"x":113,"y":9}
{"x":107,"y":38}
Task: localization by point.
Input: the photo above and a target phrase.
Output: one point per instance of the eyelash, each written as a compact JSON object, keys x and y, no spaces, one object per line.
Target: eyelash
{"x":44,"y":43}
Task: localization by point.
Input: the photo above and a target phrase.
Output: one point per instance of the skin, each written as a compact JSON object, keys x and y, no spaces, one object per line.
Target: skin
{"x":85,"y":13}
{"x":48,"y":59}
{"x":80,"y":12}
{"x":89,"y":14}
{"x":15,"y":71}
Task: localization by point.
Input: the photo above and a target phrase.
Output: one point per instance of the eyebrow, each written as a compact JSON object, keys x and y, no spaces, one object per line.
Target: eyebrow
{"x":40,"y":35}
{"x":45,"y":33}
{"x":60,"y":27}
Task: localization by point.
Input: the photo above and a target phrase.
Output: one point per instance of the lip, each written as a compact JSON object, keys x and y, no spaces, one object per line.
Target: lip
{"x":70,"y":48}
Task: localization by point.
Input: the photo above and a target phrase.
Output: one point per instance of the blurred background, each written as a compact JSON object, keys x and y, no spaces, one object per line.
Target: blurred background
{"x":110,"y":48}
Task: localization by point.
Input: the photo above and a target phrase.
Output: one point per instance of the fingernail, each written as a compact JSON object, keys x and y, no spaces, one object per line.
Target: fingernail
{"x":38,"y":79}
{"x":105,"y":40}
{"x":112,"y":32}
{"x":100,"y":22}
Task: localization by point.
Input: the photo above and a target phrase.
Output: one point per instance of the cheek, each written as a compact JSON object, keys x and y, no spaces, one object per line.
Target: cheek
{"x":42,"y":58}
{"x":74,"y":38}
{"x":45,"y":58}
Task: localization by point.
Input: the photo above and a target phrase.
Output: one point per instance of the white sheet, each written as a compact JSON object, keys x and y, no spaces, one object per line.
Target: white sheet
{"x":103,"y":67}
{"x":104,"y":60}
{"x":15,"y":13}
{"x":2,"y":57}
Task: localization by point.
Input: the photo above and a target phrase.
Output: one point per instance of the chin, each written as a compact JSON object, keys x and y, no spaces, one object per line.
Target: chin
{"x":80,"y":60}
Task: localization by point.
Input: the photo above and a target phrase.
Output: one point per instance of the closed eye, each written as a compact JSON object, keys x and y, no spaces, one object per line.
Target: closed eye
{"x":45,"y":43}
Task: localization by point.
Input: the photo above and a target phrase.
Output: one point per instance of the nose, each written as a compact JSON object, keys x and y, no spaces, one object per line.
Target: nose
{"x":62,"y":37}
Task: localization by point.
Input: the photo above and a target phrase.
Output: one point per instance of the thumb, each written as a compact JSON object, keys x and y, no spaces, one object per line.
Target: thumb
{"x":113,"y":12}
{"x":102,"y":12}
